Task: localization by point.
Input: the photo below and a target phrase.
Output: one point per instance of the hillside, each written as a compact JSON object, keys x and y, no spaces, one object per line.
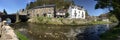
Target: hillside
{"x":59,"y":3}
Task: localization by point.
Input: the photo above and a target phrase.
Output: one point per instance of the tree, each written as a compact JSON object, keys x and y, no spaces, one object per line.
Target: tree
{"x":112,"y":5}
{"x":86,"y":13}
{"x":31,"y":5}
{"x":113,"y":18}
{"x":4,"y":11}
{"x":58,"y":3}
{"x":66,"y":15}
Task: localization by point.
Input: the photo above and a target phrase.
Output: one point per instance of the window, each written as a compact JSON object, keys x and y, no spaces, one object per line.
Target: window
{"x":37,"y":15}
{"x":82,"y":14}
{"x":44,"y":14}
{"x":28,"y":14}
{"x":48,"y":15}
{"x":75,"y":13}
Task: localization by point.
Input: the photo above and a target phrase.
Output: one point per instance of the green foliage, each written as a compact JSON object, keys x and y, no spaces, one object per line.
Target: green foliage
{"x":66,"y":15}
{"x":5,"y":12}
{"x":86,"y":13}
{"x":102,"y":4}
{"x":21,"y":36}
{"x":64,"y":21}
{"x":58,"y":3}
{"x":113,"y":18}
{"x":115,"y":6}
{"x":112,"y":5}
{"x":99,"y":22}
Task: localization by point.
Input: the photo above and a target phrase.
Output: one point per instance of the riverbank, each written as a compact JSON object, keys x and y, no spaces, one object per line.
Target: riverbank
{"x":6,"y":32}
{"x":112,"y":34}
{"x":21,"y":36}
{"x":64,"y":21}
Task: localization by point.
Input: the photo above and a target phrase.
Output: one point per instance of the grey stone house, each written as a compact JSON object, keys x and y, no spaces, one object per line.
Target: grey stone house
{"x":45,"y":10}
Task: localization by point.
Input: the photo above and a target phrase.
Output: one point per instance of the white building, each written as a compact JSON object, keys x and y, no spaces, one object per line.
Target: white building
{"x":60,"y":13}
{"x":76,"y":12}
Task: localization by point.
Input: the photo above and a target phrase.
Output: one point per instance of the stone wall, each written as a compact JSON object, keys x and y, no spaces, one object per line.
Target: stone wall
{"x":36,"y":12}
{"x":41,"y":11}
{"x":6,"y":32}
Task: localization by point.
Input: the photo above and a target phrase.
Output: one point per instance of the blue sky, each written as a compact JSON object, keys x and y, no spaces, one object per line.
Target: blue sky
{"x":12,"y":6}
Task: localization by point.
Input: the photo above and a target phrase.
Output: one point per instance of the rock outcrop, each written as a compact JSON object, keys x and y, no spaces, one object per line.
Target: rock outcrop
{"x":6,"y":32}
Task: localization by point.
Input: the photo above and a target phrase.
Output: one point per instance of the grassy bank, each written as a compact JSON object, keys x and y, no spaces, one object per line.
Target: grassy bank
{"x":111,"y":34}
{"x":99,"y":22}
{"x":21,"y":36}
{"x":64,"y":21}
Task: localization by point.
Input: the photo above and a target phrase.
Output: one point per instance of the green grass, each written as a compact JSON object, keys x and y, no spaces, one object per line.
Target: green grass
{"x":99,"y":22}
{"x":21,"y":36}
{"x":111,"y":34}
{"x":64,"y":21}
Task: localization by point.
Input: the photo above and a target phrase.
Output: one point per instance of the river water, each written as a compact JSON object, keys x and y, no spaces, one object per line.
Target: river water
{"x":52,"y":32}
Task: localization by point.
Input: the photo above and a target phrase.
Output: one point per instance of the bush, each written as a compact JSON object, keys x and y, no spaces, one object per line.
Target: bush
{"x":66,"y":15}
{"x":113,"y":18}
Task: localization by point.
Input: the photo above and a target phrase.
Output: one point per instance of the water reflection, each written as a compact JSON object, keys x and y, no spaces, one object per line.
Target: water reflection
{"x":50,"y":32}
{"x":93,"y":32}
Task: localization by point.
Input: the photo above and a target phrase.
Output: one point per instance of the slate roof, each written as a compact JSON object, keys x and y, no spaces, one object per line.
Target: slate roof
{"x":44,"y":6}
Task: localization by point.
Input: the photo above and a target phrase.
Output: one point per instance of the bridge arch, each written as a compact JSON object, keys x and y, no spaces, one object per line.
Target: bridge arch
{"x":22,"y":18}
{"x":9,"y":21}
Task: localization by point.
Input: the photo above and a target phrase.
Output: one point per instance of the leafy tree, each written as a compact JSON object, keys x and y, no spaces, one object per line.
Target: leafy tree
{"x":113,"y":18}
{"x":86,"y":13}
{"x":31,"y":5}
{"x":58,"y":3}
{"x":112,"y":5}
{"x":4,"y":11}
{"x":67,"y":14}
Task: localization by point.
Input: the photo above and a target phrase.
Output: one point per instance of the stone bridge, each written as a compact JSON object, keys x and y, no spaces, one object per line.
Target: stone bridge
{"x":13,"y":18}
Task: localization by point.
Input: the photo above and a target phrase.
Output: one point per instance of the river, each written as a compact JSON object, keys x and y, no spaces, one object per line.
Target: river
{"x":52,"y":32}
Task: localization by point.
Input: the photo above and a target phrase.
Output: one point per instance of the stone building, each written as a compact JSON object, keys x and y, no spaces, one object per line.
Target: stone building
{"x":45,"y":10}
{"x":23,"y":12}
{"x":104,"y":17}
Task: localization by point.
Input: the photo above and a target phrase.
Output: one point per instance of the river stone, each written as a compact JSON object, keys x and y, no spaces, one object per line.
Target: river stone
{"x":7,"y":33}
